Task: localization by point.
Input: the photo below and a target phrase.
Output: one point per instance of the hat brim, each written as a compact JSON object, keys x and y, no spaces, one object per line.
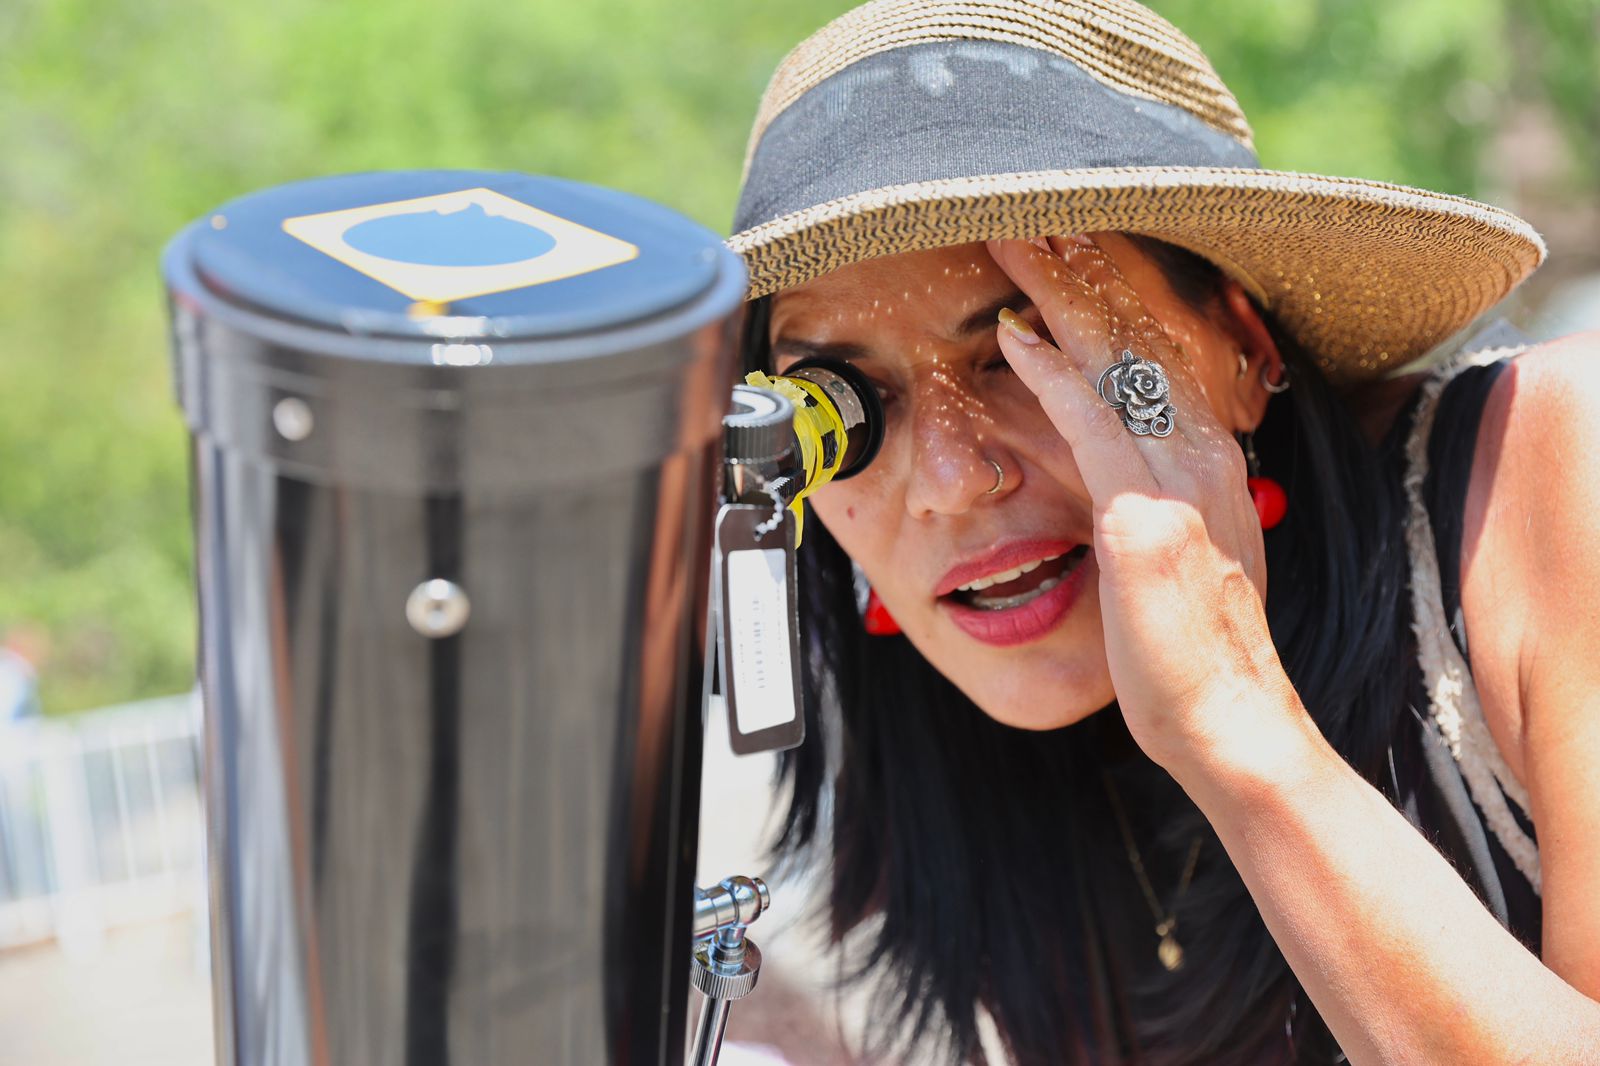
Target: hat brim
{"x":1367,"y":276}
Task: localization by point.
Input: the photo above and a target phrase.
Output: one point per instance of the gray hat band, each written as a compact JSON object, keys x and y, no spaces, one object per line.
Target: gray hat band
{"x":957,"y":109}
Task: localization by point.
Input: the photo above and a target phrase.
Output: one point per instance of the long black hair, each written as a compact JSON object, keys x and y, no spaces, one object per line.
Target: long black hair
{"x":982,"y":865}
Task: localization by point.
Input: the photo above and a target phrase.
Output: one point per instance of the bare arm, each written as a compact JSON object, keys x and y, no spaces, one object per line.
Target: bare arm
{"x":1403,"y":961}
{"x":1531,"y":576}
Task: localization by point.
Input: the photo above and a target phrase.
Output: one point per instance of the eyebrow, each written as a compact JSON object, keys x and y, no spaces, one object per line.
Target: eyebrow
{"x":982,"y":319}
{"x":791,"y":348}
{"x":987,"y":317}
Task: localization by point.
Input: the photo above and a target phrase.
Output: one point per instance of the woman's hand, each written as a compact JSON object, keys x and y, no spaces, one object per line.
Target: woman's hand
{"x":1176,"y":538}
{"x":1400,"y":957}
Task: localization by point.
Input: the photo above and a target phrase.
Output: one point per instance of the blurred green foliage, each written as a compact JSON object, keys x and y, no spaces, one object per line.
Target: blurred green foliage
{"x":122,"y":121}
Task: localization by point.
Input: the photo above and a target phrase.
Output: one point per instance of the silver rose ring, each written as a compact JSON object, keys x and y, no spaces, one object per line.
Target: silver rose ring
{"x":1138,"y":388}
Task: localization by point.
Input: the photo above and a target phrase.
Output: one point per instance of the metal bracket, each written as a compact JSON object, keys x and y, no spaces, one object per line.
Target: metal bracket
{"x":726,"y":963}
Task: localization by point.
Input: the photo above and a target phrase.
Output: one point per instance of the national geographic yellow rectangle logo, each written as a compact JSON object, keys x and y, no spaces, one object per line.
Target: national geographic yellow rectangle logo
{"x":458,"y":245}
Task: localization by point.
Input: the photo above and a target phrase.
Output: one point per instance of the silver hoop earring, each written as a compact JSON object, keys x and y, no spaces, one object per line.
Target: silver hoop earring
{"x":1275,"y":388}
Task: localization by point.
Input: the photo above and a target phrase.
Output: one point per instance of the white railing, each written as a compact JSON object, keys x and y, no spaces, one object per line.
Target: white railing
{"x":100,"y":821}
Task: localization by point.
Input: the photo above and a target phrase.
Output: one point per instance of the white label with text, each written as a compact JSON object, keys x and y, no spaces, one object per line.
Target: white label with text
{"x":758,"y":616}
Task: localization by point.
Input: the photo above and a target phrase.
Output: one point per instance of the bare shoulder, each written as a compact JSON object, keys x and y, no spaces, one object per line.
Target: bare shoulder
{"x":1539,"y":443}
{"x":1538,"y":566}
{"x":1563,"y":370}
{"x":1531,"y":545}
{"x":1540,"y":410}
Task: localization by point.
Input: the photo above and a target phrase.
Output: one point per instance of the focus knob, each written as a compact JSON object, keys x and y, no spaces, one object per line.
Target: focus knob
{"x":759,"y":426}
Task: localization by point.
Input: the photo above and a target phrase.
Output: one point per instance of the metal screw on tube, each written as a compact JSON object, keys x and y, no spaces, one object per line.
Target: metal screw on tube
{"x":726,"y":962}
{"x":292,"y":418}
{"x":438,"y":608}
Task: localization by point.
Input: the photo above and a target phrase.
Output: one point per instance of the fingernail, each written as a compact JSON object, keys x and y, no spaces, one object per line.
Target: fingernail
{"x":1018,"y":327}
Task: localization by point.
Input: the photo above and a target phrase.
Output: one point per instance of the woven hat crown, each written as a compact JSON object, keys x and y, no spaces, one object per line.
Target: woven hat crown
{"x":912,"y":124}
{"x":1124,"y":45}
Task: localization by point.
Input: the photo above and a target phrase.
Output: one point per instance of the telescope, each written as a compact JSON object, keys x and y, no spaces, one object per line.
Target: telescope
{"x":477,"y":503}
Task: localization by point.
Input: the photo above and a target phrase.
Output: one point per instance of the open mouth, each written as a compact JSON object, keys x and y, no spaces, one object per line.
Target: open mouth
{"x":1016,"y":588}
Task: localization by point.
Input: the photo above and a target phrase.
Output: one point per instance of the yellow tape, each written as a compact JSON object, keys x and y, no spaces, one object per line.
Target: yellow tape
{"x":818,"y":427}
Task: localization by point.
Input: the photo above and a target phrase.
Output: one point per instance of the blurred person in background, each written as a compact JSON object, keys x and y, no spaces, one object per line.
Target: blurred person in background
{"x":1149,"y":732}
{"x":21,"y":655}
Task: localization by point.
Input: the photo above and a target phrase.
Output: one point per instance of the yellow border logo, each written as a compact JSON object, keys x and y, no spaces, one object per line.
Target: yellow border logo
{"x":578,"y":249}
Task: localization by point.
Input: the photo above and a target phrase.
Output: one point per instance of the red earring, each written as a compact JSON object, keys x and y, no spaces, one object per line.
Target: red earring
{"x":1271,"y":502}
{"x":876,"y":619}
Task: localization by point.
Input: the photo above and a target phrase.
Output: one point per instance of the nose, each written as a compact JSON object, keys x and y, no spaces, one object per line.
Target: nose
{"x":950,"y":463}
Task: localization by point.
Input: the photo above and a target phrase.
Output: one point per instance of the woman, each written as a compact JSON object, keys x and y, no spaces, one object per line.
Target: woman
{"x":1183,"y":574}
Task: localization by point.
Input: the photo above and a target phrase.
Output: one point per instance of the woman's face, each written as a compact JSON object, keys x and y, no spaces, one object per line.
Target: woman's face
{"x":996,"y":588}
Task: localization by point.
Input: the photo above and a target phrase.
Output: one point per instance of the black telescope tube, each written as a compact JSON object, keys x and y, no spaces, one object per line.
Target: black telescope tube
{"x":455,"y":442}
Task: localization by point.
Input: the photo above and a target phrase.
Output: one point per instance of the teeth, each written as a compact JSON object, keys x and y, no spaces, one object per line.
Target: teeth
{"x":1005,"y":603}
{"x":1005,"y":575}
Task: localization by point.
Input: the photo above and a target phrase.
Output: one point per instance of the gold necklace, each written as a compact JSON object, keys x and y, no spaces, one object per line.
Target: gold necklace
{"x":1169,"y":951}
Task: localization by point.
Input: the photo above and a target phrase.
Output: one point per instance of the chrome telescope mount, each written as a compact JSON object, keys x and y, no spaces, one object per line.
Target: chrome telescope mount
{"x":726,"y":962}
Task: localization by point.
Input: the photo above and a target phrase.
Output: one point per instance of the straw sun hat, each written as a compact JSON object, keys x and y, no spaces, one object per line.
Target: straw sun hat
{"x":914,"y":124}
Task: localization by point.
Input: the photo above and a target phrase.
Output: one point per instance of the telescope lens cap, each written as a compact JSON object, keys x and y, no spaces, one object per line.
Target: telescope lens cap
{"x":453,"y":253}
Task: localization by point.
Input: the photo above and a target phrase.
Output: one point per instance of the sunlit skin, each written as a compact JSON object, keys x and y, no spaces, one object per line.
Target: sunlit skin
{"x":924,"y":327}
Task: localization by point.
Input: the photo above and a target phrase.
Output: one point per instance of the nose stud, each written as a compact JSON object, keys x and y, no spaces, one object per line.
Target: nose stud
{"x":999,"y":477}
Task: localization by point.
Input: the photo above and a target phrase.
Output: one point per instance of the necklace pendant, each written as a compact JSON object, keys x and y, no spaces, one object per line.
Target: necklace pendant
{"x":1170,"y":953}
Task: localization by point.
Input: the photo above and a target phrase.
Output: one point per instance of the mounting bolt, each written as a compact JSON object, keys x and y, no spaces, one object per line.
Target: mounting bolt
{"x":292,"y":418}
{"x":437,"y":608}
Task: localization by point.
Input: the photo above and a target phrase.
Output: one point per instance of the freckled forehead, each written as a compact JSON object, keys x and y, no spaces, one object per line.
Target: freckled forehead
{"x":930,"y":291}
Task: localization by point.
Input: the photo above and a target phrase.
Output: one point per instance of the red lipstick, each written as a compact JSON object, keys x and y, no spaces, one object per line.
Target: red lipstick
{"x":1027,"y":621}
{"x":1005,"y":557}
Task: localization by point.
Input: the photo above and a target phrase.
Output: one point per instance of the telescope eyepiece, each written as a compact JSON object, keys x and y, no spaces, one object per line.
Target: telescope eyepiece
{"x":794,"y":433}
{"x":856,"y":402}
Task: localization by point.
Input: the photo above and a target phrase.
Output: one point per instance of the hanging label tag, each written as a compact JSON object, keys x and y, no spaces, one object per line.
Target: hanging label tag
{"x":759,"y":631}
